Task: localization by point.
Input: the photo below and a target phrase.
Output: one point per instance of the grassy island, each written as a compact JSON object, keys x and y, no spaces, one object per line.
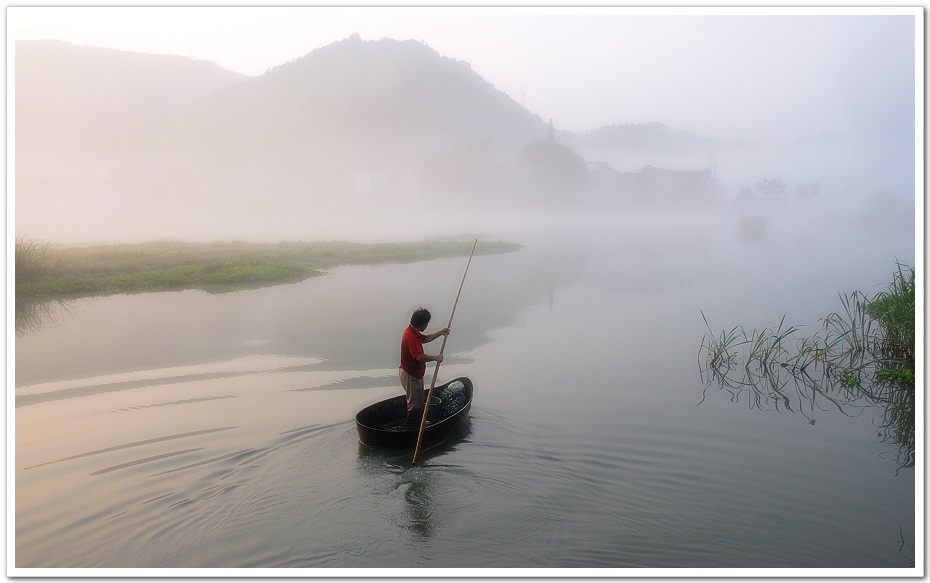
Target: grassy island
{"x":47,"y":271}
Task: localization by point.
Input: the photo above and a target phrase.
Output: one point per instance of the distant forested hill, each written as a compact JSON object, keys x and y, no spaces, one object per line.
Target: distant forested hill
{"x":106,"y":138}
{"x":376,"y":120}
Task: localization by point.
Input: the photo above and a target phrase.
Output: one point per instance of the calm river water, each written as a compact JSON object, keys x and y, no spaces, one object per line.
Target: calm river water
{"x":189,"y":430}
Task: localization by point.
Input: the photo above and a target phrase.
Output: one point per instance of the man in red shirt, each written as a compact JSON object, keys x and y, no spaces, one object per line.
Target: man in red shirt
{"x":413,"y":362}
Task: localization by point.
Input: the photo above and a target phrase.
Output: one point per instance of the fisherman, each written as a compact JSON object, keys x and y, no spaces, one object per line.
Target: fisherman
{"x":413,"y":362}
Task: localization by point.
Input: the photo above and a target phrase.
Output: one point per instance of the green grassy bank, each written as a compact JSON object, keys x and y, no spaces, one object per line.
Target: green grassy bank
{"x":46,"y":271}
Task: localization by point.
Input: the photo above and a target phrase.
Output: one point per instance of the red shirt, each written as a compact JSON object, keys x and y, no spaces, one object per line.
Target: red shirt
{"x":411,"y":346}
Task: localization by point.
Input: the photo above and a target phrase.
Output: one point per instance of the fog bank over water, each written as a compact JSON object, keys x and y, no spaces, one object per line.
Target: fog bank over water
{"x":881,"y":216}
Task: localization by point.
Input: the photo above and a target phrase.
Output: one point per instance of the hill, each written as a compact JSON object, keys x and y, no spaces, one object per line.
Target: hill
{"x":372,"y":120}
{"x":111,"y":144}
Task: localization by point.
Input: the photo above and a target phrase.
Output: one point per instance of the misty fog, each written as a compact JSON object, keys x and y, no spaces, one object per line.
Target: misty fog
{"x":386,"y":140}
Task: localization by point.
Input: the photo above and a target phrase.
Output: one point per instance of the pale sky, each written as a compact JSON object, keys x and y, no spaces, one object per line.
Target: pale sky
{"x":729,"y":74}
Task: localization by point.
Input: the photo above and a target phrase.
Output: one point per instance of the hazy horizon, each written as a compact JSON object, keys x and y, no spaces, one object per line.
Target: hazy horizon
{"x":768,"y":83}
{"x":739,"y":74}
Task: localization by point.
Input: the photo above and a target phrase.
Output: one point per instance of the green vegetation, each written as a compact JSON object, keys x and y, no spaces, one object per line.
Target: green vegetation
{"x":875,"y":333}
{"x":894,"y":311}
{"x":34,"y":260}
{"x":863,"y":353}
{"x":44,"y":271}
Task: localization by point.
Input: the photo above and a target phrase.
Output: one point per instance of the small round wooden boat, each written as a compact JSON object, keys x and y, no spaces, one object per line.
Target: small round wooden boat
{"x":384,"y":424}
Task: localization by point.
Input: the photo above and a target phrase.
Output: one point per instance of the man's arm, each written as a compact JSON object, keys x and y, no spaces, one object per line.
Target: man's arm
{"x":435,"y":335}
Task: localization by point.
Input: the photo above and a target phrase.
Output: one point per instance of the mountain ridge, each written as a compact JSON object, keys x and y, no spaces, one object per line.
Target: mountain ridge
{"x":105,"y":135}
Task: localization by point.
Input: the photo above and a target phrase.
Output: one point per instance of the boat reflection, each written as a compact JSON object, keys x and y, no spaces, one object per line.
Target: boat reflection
{"x":422,"y":493}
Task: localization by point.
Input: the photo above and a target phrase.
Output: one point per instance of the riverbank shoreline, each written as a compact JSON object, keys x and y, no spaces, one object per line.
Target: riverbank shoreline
{"x":45,"y":271}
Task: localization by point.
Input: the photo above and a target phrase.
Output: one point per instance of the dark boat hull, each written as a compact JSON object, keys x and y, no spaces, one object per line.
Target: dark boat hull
{"x":384,"y":424}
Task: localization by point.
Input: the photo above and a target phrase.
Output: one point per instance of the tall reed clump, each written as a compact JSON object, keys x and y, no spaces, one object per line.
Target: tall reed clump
{"x":895,"y":313}
{"x":35,"y":260}
{"x":868,"y":335}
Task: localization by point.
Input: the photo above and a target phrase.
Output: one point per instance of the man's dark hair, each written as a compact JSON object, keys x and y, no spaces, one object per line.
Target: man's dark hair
{"x":420,"y":318}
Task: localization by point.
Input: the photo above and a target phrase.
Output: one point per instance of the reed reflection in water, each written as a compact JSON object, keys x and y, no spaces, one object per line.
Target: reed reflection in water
{"x":850,"y":364}
{"x":33,"y":315}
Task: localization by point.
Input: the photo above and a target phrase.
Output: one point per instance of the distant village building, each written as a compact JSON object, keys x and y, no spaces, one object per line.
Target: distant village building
{"x":651,"y":185}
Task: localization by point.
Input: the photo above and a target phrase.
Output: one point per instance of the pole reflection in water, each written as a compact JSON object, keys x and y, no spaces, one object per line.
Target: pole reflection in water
{"x":422,"y":502}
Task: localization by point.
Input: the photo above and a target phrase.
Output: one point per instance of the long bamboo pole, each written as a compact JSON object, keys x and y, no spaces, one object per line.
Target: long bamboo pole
{"x":432,"y":385}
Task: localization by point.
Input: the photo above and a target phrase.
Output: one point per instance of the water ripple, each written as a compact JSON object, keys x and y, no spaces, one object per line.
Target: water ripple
{"x":145,"y":460}
{"x":133,"y":444}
